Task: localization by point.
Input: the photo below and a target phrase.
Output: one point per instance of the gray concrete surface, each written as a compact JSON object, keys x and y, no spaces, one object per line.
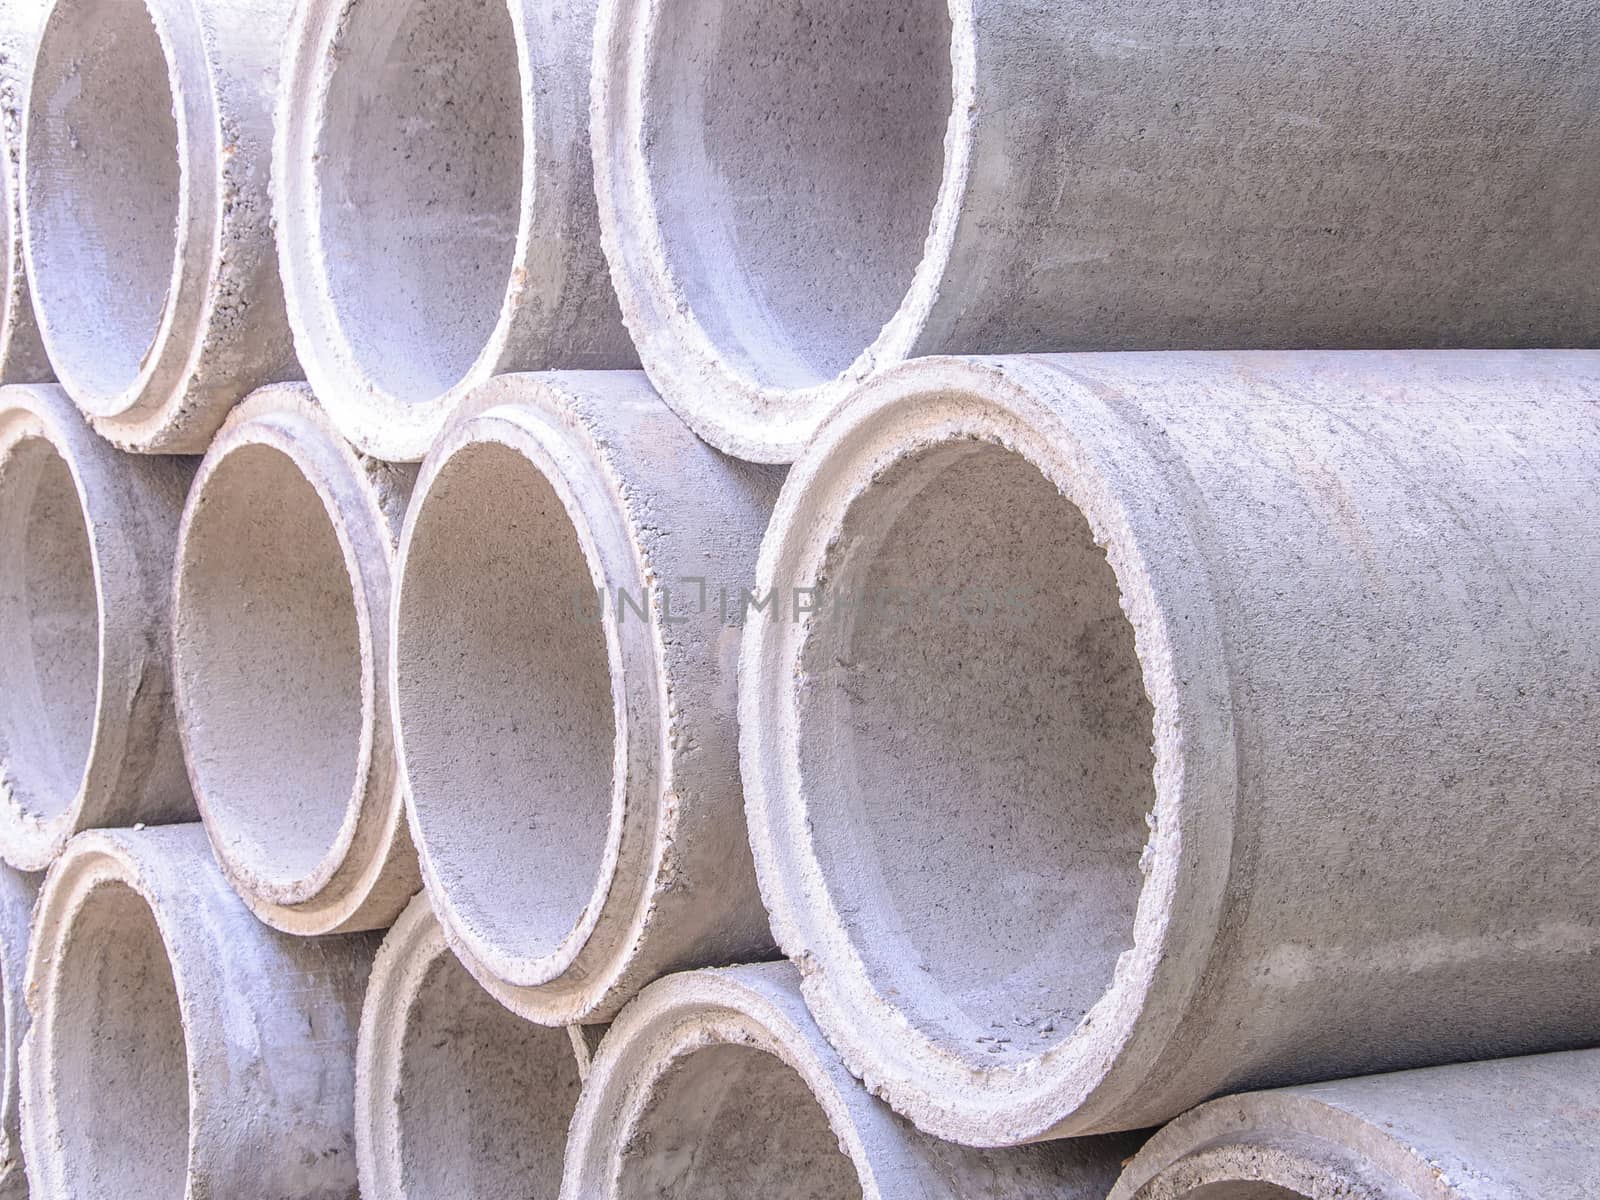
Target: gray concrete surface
{"x":22,"y":357}
{"x":18,"y":891}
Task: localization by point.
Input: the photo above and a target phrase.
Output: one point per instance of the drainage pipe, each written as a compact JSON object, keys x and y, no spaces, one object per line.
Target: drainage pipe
{"x":17,"y":895}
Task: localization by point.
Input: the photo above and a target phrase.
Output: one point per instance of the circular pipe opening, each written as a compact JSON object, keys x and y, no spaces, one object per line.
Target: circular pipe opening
{"x":102,"y":193}
{"x":505,"y":702}
{"x":121,"y":1067}
{"x":1230,"y":1189}
{"x":975,"y":726}
{"x":484,"y":1098}
{"x":49,"y":631}
{"x":796,"y":152}
{"x":419,"y":166}
{"x":727,"y":1122}
{"x":270,"y":666}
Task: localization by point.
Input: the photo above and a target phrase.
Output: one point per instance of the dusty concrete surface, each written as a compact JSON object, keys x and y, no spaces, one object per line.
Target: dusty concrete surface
{"x":17,"y":894}
{"x":435,"y":207}
{"x":146,"y":211}
{"x":566,"y":727}
{"x":718,"y":1085}
{"x":455,"y":1096}
{"x":280,"y":658}
{"x":87,"y":733}
{"x":179,"y":1047}
{"x":1253,"y":740}
{"x":796,"y":195}
{"x":22,"y":357}
{"x":1516,"y":1129}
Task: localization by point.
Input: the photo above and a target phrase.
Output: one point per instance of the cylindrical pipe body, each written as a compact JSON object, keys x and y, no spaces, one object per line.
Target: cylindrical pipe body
{"x":794,"y":197}
{"x":564,"y":673}
{"x":88,"y":738}
{"x":146,"y":210}
{"x":455,"y":1095}
{"x":1242,"y":726}
{"x":17,"y":895}
{"x":22,"y":356}
{"x":435,"y":207}
{"x":1515,"y":1127}
{"x":280,"y":611}
{"x":180,"y":1047}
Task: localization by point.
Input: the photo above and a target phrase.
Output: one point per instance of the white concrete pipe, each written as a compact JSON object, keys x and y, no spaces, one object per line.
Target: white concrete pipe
{"x":180,"y":1047}
{"x":564,"y":674}
{"x":796,"y":195}
{"x":146,"y":211}
{"x":455,"y":1095}
{"x":87,"y":733}
{"x":22,"y":357}
{"x":280,"y":611}
{"x":718,"y":1085}
{"x":428,"y":149}
{"x":1177,"y":723}
{"x":1512,"y":1129}
{"x":17,"y":894}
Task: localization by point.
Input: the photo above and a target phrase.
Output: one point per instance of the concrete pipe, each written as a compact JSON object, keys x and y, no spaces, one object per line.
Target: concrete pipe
{"x":146,"y":213}
{"x":564,"y":672}
{"x":180,"y":1047}
{"x":1504,"y":1130}
{"x":428,"y":149}
{"x":87,"y":733}
{"x":22,"y":357}
{"x":280,"y":608}
{"x":17,"y":894}
{"x":794,"y":196}
{"x":455,"y":1095}
{"x":1146,"y":726}
{"x":718,"y":1085}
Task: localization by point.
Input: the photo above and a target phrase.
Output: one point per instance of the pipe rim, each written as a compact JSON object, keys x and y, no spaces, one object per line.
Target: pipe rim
{"x":737,"y":414}
{"x":137,"y":411}
{"x":1069,"y":1088}
{"x":333,"y":894}
{"x":376,"y":420}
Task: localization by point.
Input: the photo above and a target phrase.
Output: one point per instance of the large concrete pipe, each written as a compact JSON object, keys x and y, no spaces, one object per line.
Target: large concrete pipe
{"x":22,"y":357}
{"x":1513,"y":1129}
{"x":795,"y":195}
{"x":180,"y":1047}
{"x":718,"y":1085}
{"x":280,"y":613}
{"x":87,"y":733}
{"x":564,"y":675}
{"x":1132,"y":728}
{"x":435,"y":208}
{"x":17,"y":894}
{"x":146,"y":211}
{"x":455,"y":1095}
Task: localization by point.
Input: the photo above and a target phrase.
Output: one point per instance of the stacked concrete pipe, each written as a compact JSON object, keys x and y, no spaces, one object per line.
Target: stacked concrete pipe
{"x":718,"y":1085}
{"x":88,"y":737}
{"x":1515,"y":1129}
{"x":179,"y":1047}
{"x":1169,"y":724}
{"x":796,"y":196}
{"x":146,"y":211}
{"x":455,"y":1095}
{"x":17,"y":895}
{"x":280,"y":602}
{"x":428,"y":149}
{"x":564,"y":680}
{"x":22,"y":356}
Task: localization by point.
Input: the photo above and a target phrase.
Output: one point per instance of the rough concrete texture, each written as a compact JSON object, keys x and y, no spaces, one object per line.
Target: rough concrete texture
{"x":87,"y":732}
{"x":146,"y":211}
{"x":435,"y":208}
{"x":179,"y":1047}
{"x":280,"y":661}
{"x":570,"y":742}
{"x":17,"y":894}
{"x":22,"y":357}
{"x":1516,"y":1129}
{"x":1254,"y":739}
{"x":455,"y":1096}
{"x":796,"y":195}
{"x":718,"y":1085}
